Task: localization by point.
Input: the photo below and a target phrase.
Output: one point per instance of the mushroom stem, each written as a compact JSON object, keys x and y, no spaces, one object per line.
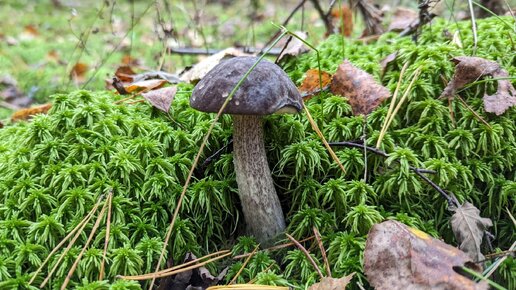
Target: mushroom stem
{"x":260,"y":203}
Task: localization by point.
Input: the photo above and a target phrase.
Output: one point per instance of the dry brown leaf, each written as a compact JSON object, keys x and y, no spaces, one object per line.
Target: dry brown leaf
{"x":144,"y":86}
{"x":78,"y":72}
{"x":328,"y":283}
{"x":468,"y":228}
{"x":399,"y":257}
{"x":161,"y":98}
{"x":311,"y":83}
{"x":125,"y":73}
{"x":199,"y":70}
{"x":387,"y":60}
{"x":342,"y":20}
{"x":470,"y":69}
{"x":25,"y":114}
{"x":362,"y":90}
{"x":504,"y":98}
{"x":295,"y":47}
{"x":402,"y":19}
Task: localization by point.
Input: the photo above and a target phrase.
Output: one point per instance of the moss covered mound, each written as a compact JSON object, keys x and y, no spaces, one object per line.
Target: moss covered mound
{"x":55,"y":167}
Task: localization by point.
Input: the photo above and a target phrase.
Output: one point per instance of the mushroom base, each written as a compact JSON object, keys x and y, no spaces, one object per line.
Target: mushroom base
{"x":260,"y":203}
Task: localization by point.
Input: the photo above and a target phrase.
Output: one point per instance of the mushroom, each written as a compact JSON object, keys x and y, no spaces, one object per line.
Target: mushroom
{"x":267,"y":90}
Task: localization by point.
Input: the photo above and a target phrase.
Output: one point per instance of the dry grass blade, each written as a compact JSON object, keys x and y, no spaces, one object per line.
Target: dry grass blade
{"x":323,"y":251}
{"x":473,"y":111}
{"x":198,"y":156}
{"x":389,"y":119}
{"x":186,"y":264}
{"x":319,"y":133}
{"x":106,"y":241}
{"x":90,"y":237}
{"x":391,"y":106}
{"x":273,"y":248}
{"x":473,"y":25}
{"x":170,"y":272}
{"x":77,"y":231}
{"x":243,"y":265}
{"x":499,"y":262}
{"x":307,"y":254}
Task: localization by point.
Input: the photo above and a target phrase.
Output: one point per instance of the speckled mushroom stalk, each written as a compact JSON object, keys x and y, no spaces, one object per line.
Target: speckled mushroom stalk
{"x":267,"y":90}
{"x":260,"y":203}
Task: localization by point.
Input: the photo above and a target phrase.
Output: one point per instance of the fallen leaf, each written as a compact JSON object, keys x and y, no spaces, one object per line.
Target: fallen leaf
{"x":342,"y":20}
{"x":78,"y":72}
{"x":125,"y":73}
{"x":199,"y":70}
{"x":25,"y":114}
{"x":470,"y":69}
{"x":399,"y":257}
{"x":295,"y":47}
{"x":371,"y":14}
{"x":387,"y":60}
{"x":328,"y":283}
{"x":362,"y":90}
{"x":468,"y":228}
{"x":144,"y":85}
{"x":161,"y":98}
{"x":504,"y":98}
{"x":171,"y":78}
{"x":11,"y":96}
{"x":311,"y":85}
{"x":402,"y":19}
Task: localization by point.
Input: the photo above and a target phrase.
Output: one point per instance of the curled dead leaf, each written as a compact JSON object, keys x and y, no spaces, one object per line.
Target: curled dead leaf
{"x":364,"y":93}
{"x":312,"y":84}
{"x":125,"y":73}
{"x":145,"y":85}
{"x":399,"y":257}
{"x":470,"y":69}
{"x":161,"y":98}
{"x":468,"y":228}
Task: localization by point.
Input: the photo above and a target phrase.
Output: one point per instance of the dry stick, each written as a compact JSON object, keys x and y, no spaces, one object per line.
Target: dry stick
{"x":106,"y":241}
{"x":90,"y":237}
{"x":182,"y":265}
{"x":319,"y":133}
{"x":196,"y":159}
{"x":243,"y":265}
{"x":391,"y":106}
{"x":84,"y":221}
{"x":323,"y":251}
{"x":170,"y":273}
{"x":273,"y":248}
{"x":306,"y":254}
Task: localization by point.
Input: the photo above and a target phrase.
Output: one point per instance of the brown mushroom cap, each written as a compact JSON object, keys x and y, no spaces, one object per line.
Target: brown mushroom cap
{"x":266,"y":90}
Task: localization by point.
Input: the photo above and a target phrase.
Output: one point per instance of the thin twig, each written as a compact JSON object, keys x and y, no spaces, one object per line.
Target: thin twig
{"x":274,"y":248}
{"x":167,"y":272}
{"x":323,"y":15}
{"x":323,"y":251}
{"x":299,"y":246}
